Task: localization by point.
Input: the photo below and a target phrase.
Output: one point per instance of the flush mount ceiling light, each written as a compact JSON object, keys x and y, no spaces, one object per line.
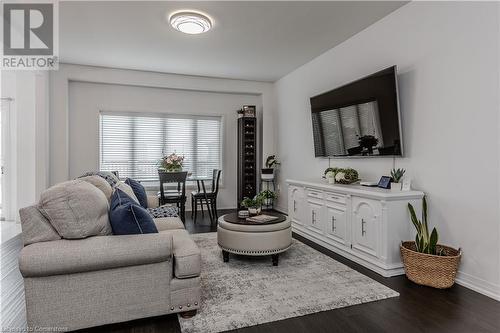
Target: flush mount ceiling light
{"x":190,"y":22}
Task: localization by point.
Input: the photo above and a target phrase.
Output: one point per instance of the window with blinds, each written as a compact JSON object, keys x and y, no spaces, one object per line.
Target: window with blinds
{"x":133,"y":144}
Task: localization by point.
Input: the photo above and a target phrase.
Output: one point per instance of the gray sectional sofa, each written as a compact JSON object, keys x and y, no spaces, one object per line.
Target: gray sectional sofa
{"x":95,"y":280}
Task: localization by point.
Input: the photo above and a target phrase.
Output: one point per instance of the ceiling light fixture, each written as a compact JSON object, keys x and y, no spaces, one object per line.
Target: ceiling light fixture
{"x":190,"y":22}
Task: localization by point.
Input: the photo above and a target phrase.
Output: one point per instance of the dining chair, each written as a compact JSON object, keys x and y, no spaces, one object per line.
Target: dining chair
{"x":209,"y":198}
{"x":177,"y":195}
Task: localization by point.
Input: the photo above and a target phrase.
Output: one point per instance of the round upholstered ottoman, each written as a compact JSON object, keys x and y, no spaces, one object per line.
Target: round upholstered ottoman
{"x":235,"y":235}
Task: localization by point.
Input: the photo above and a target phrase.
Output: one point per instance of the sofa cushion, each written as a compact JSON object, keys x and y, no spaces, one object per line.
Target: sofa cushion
{"x":128,"y":191}
{"x":127,"y":217}
{"x":106,"y":175}
{"x":163,"y":211}
{"x":187,"y":257}
{"x":93,"y":254}
{"x":168,"y":223}
{"x":76,"y":209}
{"x":101,"y":184}
{"x":139,"y":191}
{"x":36,"y":228}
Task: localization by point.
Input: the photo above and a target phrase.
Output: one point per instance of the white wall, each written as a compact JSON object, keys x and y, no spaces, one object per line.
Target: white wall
{"x":448,"y":59}
{"x":87,"y":99}
{"x":27,"y":166}
{"x":60,"y":111}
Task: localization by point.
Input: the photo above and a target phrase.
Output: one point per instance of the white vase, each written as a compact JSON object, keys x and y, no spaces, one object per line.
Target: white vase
{"x":254,"y":210}
{"x":331,"y":180}
{"x":396,"y":187}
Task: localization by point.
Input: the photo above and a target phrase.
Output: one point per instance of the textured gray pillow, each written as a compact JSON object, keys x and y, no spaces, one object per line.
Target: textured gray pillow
{"x":106,"y":175}
{"x":101,"y":184}
{"x":76,"y":209}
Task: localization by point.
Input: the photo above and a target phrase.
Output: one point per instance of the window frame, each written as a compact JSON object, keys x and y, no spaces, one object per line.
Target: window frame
{"x":154,"y":185}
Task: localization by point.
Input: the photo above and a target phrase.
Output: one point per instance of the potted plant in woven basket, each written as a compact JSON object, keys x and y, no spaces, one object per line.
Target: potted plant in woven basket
{"x":426,"y":262}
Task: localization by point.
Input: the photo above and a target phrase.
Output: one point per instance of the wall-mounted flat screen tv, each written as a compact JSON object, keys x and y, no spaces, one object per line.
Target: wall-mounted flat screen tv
{"x":359,"y":119}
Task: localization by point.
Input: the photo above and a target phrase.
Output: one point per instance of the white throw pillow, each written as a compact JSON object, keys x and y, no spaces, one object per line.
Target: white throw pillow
{"x":128,"y":190}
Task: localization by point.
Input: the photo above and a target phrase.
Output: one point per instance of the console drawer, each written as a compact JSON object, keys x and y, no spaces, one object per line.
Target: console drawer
{"x":335,"y":197}
{"x":314,"y":194}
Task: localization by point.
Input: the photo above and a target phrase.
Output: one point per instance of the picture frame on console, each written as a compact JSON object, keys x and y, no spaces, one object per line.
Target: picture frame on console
{"x":385,"y":182}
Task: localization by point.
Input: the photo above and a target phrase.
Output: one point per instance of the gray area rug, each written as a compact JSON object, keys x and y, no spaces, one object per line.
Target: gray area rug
{"x":249,"y":291}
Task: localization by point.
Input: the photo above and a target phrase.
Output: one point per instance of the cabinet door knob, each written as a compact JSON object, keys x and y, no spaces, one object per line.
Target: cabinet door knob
{"x":333,"y":224}
{"x":294,"y":205}
{"x":313,"y":217}
{"x":363,"y":231}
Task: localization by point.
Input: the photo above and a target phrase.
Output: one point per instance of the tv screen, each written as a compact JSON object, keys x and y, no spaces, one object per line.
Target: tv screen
{"x":359,"y":119}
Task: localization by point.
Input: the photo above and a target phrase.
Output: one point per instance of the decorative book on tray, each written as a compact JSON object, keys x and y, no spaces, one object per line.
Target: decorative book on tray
{"x":261,"y":218}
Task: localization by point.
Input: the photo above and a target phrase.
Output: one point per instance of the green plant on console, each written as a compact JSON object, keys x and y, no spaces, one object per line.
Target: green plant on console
{"x":334,"y":170}
{"x":350,"y":175}
{"x":397,"y":174}
{"x":424,"y":242}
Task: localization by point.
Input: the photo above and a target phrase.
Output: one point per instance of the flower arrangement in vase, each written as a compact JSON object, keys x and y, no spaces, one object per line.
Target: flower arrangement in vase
{"x":330,"y":174}
{"x":172,"y":162}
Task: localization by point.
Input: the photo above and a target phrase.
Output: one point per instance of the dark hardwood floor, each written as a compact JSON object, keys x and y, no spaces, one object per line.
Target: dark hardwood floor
{"x":417,"y":309}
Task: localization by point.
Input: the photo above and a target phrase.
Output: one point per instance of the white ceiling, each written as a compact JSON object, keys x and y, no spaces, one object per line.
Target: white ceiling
{"x":250,"y":40}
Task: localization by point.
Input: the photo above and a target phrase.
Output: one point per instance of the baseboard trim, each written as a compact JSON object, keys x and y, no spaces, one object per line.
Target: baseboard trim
{"x":478,"y":285}
{"x":465,"y":280}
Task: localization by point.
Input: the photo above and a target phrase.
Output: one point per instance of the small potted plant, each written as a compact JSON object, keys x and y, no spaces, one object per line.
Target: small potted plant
{"x":254,"y":205}
{"x":268,"y":197}
{"x":172,"y":163}
{"x":396,"y":176}
{"x":426,"y":262}
{"x":271,"y":164}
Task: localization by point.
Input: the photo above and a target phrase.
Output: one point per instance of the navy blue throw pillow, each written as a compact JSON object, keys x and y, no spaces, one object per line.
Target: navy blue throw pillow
{"x":127,"y":217}
{"x":139,"y":191}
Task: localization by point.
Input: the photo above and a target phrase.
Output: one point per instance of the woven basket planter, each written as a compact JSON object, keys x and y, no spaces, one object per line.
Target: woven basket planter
{"x":430,"y":270}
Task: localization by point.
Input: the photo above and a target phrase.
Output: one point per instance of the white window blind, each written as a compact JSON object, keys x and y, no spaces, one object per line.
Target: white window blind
{"x":133,"y":144}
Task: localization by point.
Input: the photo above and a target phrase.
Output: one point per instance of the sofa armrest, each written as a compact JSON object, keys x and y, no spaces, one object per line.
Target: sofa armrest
{"x":187,"y":255}
{"x":94,"y":253}
{"x":153,"y":201}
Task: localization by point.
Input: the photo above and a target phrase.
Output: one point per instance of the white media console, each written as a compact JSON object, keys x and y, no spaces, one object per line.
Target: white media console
{"x":363,"y":224}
